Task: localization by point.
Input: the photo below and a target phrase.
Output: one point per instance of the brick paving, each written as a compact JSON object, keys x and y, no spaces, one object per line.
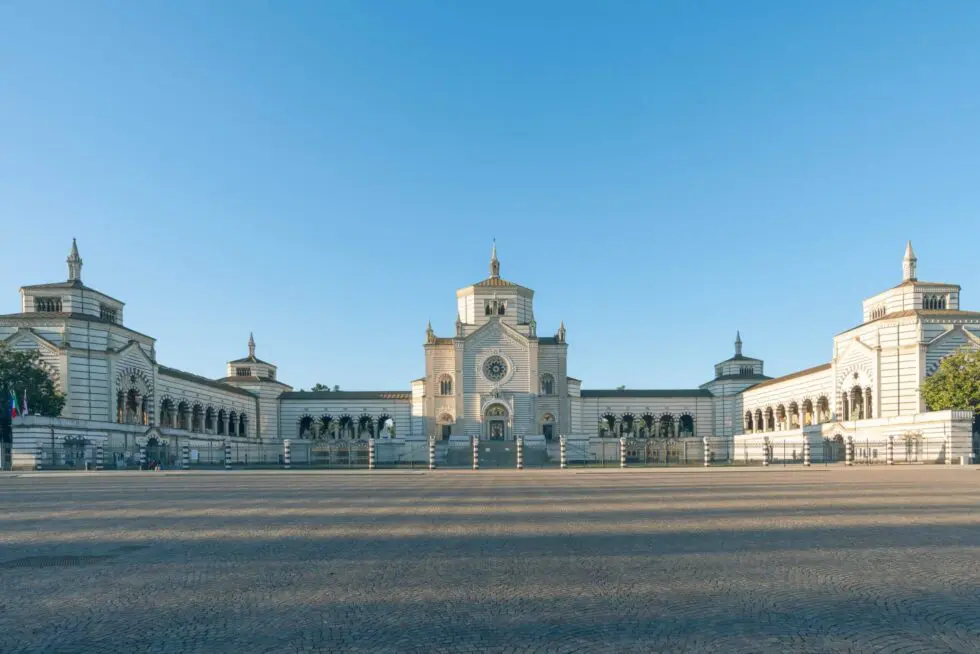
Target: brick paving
{"x":828,"y":560}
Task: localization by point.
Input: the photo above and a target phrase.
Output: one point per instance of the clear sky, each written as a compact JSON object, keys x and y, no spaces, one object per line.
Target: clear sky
{"x":326,"y":174}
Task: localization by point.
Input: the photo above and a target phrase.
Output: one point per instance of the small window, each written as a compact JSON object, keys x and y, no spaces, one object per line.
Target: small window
{"x":47,"y":304}
{"x":445,"y":385}
{"x":272,"y":374}
{"x":547,"y":384}
{"x":107,"y":313}
{"x":243,"y":372}
{"x":745,"y":370}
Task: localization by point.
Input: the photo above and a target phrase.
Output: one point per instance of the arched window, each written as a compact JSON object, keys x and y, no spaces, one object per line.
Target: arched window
{"x":197,"y":418}
{"x":808,"y":417}
{"x":667,"y":426}
{"x":167,"y":413}
{"x":209,"y":420}
{"x":607,"y":425}
{"x":445,"y":385}
{"x":232,"y":423}
{"x":759,"y":424}
{"x":547,"y":384}
{"x":780,"y":417}
{"x":687,"y":426}
{"x":223,"y":423}
{"x":856,"y":409}
{"x":794,"y":415}
{"x":183,"y":416}
{"x":305,"y":425}
{"x":770,"y":420}
{"x":823,"y":409}
{"x":745,"y":370}
{"x":748,"y":422}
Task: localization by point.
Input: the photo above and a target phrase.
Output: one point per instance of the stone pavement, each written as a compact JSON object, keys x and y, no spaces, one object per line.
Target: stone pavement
{"x":823,"y":560}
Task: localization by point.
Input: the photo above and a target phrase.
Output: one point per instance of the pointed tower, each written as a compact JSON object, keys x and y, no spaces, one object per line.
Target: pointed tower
{"x":251,"y":345}
{"x":738,"y":343}
{"x":430,"y":335}
{"x":560,"y":336}
{"x":908,"y":264}
{"x":74,"y":263}
{"x":494,"y":262}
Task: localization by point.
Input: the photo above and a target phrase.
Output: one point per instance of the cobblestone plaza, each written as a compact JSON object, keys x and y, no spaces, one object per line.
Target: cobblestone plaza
{"x":822,"y":560}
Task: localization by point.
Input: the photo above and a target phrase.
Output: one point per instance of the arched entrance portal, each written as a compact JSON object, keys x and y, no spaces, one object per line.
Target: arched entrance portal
{"x":495,"y":420}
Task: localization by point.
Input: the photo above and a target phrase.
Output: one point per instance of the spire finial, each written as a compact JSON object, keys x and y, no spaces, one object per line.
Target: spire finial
{"x":74,"y":263}
{"x":738,"y":343}
{"x":251,"y":345}
{"x":494,"y":262}
{"x":908,"y":264}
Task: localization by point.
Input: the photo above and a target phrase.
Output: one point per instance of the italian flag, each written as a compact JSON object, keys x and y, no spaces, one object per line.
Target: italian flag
{"x":13,"y":404}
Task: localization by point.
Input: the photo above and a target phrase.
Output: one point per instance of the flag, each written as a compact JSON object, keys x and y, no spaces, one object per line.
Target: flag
{"x":13,"y":404}
{"x":23,"y":404}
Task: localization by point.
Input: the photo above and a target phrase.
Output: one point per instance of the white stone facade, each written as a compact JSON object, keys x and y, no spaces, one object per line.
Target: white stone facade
{"x":496,"y":378}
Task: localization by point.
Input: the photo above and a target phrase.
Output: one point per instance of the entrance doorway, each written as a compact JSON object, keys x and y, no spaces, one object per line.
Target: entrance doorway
{"x":495,"y":419}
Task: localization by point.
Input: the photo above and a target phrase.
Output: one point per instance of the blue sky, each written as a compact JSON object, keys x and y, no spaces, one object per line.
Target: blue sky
{"x":326,"y":174}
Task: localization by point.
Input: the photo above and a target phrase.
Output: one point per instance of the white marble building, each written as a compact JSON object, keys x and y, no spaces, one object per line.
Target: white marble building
{"x":494,"y":378}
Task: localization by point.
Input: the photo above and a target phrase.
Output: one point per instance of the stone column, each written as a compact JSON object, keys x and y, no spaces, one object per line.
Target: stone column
{"x":519,"y":446}
{"x":185,"y":457}
{"x":99,"y":456}
{"x":227,"y":455}
{"x":622,"y":452}
{"x":432,"y":453}
{"x":849,"y":452}
{"x":891,"y":450}
{"x":286,"y":454}
{"x":476,"y":453}
{"x":562,"y":455}
{"x":806,"y":452}
{"x":707,"y":452}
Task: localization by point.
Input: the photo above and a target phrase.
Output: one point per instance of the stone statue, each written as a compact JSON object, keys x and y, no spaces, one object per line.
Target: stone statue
{"x":387,"y":428}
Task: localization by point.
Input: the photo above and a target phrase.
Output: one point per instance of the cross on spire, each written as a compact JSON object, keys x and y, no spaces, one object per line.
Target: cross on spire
{"x":494,"y":261}
{"x":908,"y":264}
{"x":74,"y":263}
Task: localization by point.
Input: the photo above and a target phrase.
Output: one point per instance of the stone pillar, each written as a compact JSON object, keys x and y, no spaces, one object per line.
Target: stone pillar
{"x":227,"y":455}
{"x":949,"y":449}
{"x":142,"y":457}
{"x":707,"y":452}
{"x":891,"y":450}
{"x":99,"y":456}
{"x":38,"y":456}
{"x":806,"y":452}
{"x":185,"y":457}
{"x":622,"y":452}
{"x":562,"y":457}
{"x":520,"y":452}
{"x":286,"y":457}
{"x":432,"y":453}
{"x":371,"y":454}
{"x":765,"y":452}
{"x":476,"y":452}
{"x":802,"y":417}
{"x":138,"y":412}
{"x":849,"y":452}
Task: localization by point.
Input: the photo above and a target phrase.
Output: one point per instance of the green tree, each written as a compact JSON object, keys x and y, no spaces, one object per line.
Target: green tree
{"x":956,"y":384}
{"x":21,"y":371}
{"x":323,"y":388}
